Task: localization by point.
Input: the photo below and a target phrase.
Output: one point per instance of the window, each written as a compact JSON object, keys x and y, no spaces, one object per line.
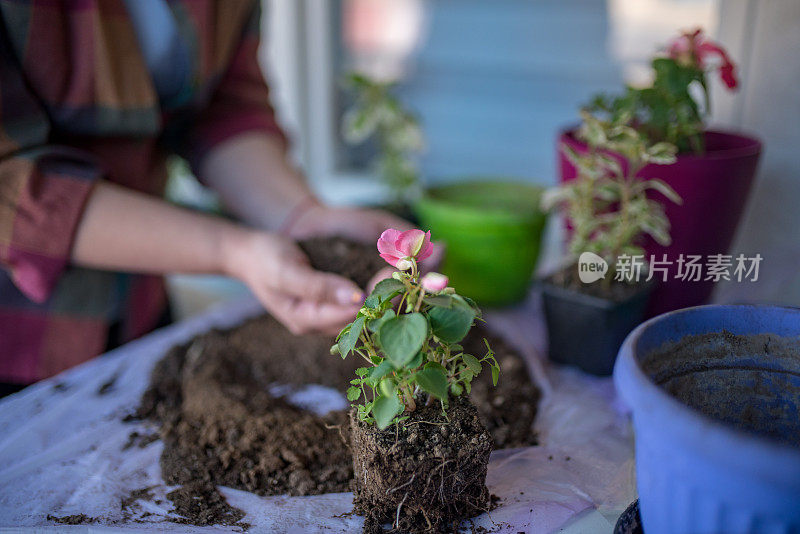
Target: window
{"x":492,"y":82}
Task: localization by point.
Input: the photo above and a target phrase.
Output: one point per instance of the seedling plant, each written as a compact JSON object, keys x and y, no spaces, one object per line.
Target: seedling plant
{"x":408,"y":333}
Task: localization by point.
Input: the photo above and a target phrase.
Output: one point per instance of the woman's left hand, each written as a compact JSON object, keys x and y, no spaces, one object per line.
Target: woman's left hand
{"x":364,"y":225}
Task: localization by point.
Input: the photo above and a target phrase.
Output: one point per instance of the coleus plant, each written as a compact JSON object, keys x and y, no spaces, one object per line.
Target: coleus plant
{"x":607,"y":204}
{"x":667,"y":109}
{"x":408,"y":333}
{"x":377,"y":113}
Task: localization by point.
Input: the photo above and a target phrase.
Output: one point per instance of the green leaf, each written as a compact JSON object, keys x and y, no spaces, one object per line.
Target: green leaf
{"x":471,"y":303}
{"x":664,"y":189}
{"x":402,"y":337}
{"x":456,"y":389}
{"x":388,"y":386}
{"x":387,"y":288}
{"x":445,"y":301}
{"x":385,"y":409}
{"x":592,"y":130}
{"x":432,"y":381}
{"x":372,"y":302}
{"x":353,"y":393}
{"x":359,"y":123}
{"x":472,"y":362}
{"x":495,"y":374}
{"x":379,"y":371}
{"x":416,"y":361}
{"x":375,"y":324}
{"x":349,"y":340}
{"x":466,"y":373}
{"x":662,"y":153}
{"x":364,"y":410}
{"x":452,"y":324}
{"x":437,"y":366}
{"x":362,"y":371}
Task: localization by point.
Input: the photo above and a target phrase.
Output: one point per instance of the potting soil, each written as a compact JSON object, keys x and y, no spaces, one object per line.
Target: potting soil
{"x":225,"y":421}
{"x":424,"y":476}
{"x":747,"y":381}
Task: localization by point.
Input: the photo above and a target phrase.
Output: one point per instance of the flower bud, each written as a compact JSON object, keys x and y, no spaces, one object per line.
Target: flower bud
{"x":403,"y":264}
{"x":434,"y":282}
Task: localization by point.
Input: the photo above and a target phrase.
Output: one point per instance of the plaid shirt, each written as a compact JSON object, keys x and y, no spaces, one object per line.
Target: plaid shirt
{"x":77,"y":104}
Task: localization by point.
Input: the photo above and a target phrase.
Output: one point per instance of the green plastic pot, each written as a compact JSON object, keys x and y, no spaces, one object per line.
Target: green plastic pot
{"x":493,"y":233}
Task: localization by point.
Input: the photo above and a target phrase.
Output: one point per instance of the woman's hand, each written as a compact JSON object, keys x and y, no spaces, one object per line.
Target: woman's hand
{"x":279,"y":274}
{"x":364,"y":225}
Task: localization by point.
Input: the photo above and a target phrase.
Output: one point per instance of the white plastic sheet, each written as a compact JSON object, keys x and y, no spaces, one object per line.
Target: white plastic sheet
{"x":61,"y":449}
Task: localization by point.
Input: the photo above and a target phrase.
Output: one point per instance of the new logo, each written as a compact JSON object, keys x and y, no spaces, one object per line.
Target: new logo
{"x":591,"y":267}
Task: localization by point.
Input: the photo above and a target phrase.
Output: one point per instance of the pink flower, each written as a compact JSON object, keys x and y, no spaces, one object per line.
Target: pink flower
{"x":398,"y":247}
{"x":692,"y":48}
{"x":434,"y":282}
{"x":728,"y":74}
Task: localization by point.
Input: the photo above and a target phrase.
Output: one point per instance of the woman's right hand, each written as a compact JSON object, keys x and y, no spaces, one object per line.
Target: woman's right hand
{"x":279,"y":274}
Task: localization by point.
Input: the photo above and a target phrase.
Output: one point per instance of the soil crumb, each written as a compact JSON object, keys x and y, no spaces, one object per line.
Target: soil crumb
{"x":108,"y":385}
{"x":75,"y":519}
{"x":221,"y":426}
{"x":126,"y":503}
{"x":202,"y":504}
{"x":140,"y":440}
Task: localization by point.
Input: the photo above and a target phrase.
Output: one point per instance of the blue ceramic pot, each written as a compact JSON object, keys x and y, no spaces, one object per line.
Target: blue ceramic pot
{"x":717,"y":429}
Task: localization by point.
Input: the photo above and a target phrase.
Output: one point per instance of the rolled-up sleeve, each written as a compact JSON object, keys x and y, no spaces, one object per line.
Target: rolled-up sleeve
{"x":240,"y":102}
{"x":43,"y":188}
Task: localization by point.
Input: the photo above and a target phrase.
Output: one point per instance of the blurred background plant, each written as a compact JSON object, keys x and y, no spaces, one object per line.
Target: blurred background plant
{"x":376,"y":112}
{"x":675,"y":106}
{"x":607,"y":204}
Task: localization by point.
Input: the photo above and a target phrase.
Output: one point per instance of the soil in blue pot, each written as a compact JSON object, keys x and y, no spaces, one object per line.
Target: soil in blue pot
{"x":751,"y":382}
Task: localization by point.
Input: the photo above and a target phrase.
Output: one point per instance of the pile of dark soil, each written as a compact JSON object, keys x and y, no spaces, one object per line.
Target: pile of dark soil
{"x":231,"y":431}
{"x":424,"y":476}
{"x":221,"y":426}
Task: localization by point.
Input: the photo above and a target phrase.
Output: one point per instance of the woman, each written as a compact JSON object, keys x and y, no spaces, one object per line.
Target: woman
{"x":94,"y":94}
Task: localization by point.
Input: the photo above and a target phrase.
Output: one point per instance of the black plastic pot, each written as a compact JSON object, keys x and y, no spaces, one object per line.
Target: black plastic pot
{"x":587,"y":331}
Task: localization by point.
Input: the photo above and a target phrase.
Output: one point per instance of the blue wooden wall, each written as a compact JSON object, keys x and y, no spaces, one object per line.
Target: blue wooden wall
{"x":496,"y":79}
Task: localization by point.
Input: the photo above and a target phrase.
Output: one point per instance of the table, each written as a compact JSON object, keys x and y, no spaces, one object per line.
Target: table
{"x":61,"y":448}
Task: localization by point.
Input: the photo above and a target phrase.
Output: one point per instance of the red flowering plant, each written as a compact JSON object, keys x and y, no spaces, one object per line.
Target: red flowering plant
{"x":669,"y":110}
{"x":408,"y":333}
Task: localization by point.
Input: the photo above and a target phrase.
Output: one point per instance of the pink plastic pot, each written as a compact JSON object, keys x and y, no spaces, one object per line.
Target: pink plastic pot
{"x":714,"y":188}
